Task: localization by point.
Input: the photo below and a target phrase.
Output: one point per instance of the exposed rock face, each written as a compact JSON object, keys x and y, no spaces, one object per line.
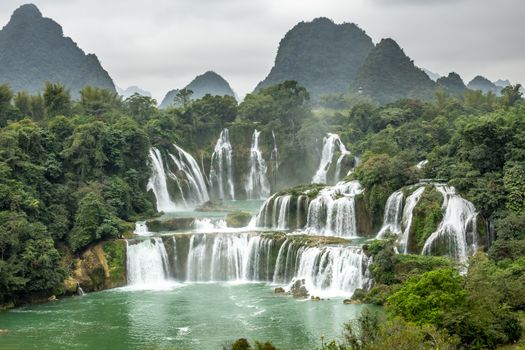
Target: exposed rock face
{"x":388,"y":75}
{"x":322,"y":56}
{"x":33,"y":50}
{"x":453,"y":83}
{"x":102,"y":266}
{"x":483,"y":84}
{"x":208,"y":83}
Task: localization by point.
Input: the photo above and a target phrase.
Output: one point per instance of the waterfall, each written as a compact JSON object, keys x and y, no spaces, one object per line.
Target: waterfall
{"x":456,"y":235}
{"x":392,"y":216}
{"x":257,"y":186}
{"x":410,"y":204}
{"x":185,"y":163}
{"x":275,"y":154}
{"x":147,"y":263}
{"x":333,"y":270}
{"x":186,"y":175}
{"x":207,"y":224}
{"x":332,"y":212}
{"x":282,"y":212}
{"x":221,"y":175}
{"x":283,"y":203}
{"x":331,"y":144}
{"x":141,"y":229}
{"x":327,"y":271}
{"x":158,"y":183}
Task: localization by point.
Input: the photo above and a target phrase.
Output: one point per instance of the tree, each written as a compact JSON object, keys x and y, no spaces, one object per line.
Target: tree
{"x":427,"y":298}
{"x":97,"y":101}
{"x":6,"y":95}
{"x":57,"y":100}
{"x":183,"y":98}
{"x":510,"y":95}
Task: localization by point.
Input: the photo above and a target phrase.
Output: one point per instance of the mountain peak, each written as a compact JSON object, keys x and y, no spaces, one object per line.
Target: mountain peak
{"x":453,"y":83}
{"x":27,"y":11}
{"x":320,"y":55}
{"x":388,"y":74}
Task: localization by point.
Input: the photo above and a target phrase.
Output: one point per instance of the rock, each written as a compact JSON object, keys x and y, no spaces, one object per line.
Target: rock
{"x":314,"y":298}
{"x":279,"y":290}
{"x":238,"y":219}
{"x":351,"y":302}
{"x":3,"y":331}
{"x":52,"y":298}
{"x":299,"y":290}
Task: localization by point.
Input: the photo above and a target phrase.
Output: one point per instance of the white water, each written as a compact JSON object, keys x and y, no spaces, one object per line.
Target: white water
{"x":275,"y":154}
{"x":275,"y":213}
{"x":185,"y":163}
{"x":186,"y":174}
{"x":410,"y":204}
{"x":331,"y":144}
{"x":392,"y":216}
{"x":257,"y":186}
{"x":241,"y":257}
{"x":332,"y":212}
{"x":141,"y":229}
{"x":207,"y":224}
{"x":333,"y":271}
{"x":147,"y":264}
{"x":221,"y":175}
{"x":457,"y":230}
{"x":157,"y":182}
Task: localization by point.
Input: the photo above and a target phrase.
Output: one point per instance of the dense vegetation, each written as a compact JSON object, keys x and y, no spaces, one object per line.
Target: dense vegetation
{"x":75,"y":172}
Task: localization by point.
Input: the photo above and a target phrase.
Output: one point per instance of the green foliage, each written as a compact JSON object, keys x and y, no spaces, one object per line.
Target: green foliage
{"x":57,"y":100}
{"x":93,"y":221}
{"x":425,"y":299}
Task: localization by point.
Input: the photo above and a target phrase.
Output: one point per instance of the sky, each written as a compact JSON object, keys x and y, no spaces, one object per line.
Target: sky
{"x":163,"y":44}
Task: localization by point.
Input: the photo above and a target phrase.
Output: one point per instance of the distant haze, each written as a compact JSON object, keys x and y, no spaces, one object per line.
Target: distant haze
{"x":163,"y":44}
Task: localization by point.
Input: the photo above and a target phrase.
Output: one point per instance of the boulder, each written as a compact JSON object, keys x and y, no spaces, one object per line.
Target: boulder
{"x":279,"y":290}
{"x":238,"y":219}
{"x":299,"y":290}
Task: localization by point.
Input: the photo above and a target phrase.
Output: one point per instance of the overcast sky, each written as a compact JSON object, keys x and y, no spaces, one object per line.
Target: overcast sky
{"x":162,"y":44}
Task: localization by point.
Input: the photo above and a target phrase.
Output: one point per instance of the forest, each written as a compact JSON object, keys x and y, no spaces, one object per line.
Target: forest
{"x":74,"y":172}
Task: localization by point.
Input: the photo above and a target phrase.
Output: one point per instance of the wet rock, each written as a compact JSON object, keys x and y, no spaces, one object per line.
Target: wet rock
{"x":299,"y":290}
{"x":279,"y":290}
{"x":315,"y":298}
{"x":238,"y":219}
{"x":3,"y":332}
{"x":52,"y":298}
{"x":351,"y":302}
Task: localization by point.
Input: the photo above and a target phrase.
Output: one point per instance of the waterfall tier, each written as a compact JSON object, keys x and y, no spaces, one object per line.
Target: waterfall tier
{"x":221,"y":174}
{"x":176,"y":180}
{"x":327,"y":269}
{"x":257,"y":186}
{"x":331,"y":144}
{"x":392,"y":216}
{"x":456,"y":235}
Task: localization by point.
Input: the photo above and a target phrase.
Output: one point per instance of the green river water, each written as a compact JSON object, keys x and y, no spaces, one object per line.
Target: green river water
{"x":187,"y":316}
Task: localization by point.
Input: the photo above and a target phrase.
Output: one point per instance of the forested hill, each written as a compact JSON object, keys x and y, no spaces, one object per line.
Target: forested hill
{"x":388,"y":74}
{"x":33,"y":50}
{"x":322,"y":56}
{"x":208,"y":83}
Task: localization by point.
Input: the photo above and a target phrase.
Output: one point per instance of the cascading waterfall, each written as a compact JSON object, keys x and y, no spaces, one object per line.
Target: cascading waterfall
{"x":207,"y":224}
{"x":141,"y":229}
{"x":392,"y":216}
{"x":206,"y":257}
{"x":147,"y":263}
{"x":257,"y":186}
{"x":456,"y":235}
{"x":221,"y":175}
{"x":186,"y":174}
{"x":332,"y":212}
{"x":410,"y":204}
{"x":331,"y":144}
{"x":283,"y":212}
{"x":198,"y":193}
{"x":158,"y":182}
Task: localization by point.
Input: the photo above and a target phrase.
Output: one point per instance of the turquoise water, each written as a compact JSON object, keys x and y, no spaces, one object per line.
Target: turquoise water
{"x":251,"y":206}
{"x":186,"y":316}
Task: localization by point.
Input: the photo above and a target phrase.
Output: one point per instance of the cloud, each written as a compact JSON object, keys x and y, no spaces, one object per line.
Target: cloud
{"x":164,"y":44}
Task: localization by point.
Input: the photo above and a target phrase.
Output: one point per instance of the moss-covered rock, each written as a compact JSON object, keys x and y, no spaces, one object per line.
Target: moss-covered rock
{"x":427,"y":215}
{"x":238,"y":219}
{"x":214,"y":206}
{"x":170,"y":224}
{"x":100,"y":266}
{"x":363,"y":218}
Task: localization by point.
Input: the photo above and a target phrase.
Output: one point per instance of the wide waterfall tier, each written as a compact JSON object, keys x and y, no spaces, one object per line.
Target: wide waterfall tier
{"x":316,"y":209}
{"x":221,"y":174}
{"x":333,"y":211}
{"x":257,"y":185}
{"x":332,"y":145}
{"x":176,"y":180}
{"x":328,"y":266}
{"x":456,"y":235}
